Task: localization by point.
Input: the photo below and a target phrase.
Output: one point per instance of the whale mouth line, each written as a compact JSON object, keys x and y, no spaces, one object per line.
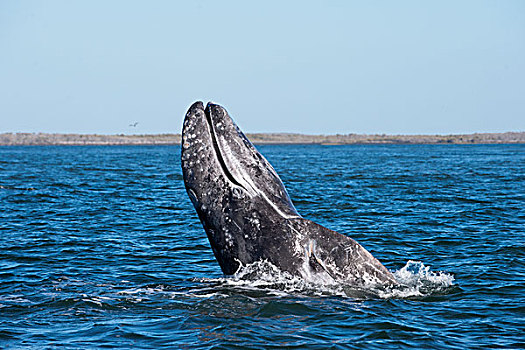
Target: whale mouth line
{"x":217,"y":149}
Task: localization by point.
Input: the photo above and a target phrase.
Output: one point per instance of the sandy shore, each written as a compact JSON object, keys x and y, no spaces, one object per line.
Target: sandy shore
{"x":260,"y":138}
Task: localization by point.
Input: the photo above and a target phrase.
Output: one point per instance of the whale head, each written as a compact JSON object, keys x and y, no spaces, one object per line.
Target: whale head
{"x":231,"y":185}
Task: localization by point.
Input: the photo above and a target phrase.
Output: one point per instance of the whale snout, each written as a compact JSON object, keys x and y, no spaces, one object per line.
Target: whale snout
{"x":193,"y":123}
{"x":196,"y":106}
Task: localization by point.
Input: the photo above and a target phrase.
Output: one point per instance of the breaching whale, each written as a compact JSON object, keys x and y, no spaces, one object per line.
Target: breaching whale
{"x":248,"y":215}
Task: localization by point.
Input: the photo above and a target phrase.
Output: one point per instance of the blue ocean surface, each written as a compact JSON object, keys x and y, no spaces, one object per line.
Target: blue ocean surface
{"x":100,"y":246}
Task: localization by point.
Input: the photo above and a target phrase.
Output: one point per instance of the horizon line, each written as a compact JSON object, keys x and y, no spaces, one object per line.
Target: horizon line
{"x":268,"y":133}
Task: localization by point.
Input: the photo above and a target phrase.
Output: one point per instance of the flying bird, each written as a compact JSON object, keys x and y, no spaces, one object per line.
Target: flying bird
{"x":134,"y":124}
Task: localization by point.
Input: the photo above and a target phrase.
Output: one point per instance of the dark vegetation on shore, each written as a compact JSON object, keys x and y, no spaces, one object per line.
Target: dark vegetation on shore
{"x":260,"y":138}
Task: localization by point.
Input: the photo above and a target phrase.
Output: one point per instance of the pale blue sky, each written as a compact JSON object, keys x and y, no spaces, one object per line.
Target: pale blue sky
{"x":292,"y":66}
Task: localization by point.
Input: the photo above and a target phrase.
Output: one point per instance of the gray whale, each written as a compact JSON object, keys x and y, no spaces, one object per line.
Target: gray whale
{"x":249,"y":217}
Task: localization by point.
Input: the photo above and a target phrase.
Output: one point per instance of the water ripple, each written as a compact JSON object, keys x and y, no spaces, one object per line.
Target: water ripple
{"x":100,"y":247}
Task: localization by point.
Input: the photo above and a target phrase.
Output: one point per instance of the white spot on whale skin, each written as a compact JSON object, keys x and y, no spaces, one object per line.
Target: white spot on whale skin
{"x":228,"y":237}
{"x":255,"y":222}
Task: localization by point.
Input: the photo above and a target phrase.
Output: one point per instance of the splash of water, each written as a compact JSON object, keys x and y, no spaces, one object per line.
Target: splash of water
{"x":418,"y":280}
{"x":415,"y":280}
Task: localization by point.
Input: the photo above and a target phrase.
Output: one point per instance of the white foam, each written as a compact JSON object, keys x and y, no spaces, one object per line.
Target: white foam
{"x":415,"y":280}
{"x":418,"y":281}
{"x":415,"y":272}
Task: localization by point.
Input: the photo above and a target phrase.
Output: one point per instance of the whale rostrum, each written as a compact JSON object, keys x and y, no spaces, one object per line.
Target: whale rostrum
{"x":249,"y":217}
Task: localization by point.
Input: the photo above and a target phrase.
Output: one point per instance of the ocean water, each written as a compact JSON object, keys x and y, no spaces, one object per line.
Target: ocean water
{"x":101,"y":247}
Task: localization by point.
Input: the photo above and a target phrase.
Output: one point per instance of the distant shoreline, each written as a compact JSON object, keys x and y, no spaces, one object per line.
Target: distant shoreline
{"x":41,"y":139}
